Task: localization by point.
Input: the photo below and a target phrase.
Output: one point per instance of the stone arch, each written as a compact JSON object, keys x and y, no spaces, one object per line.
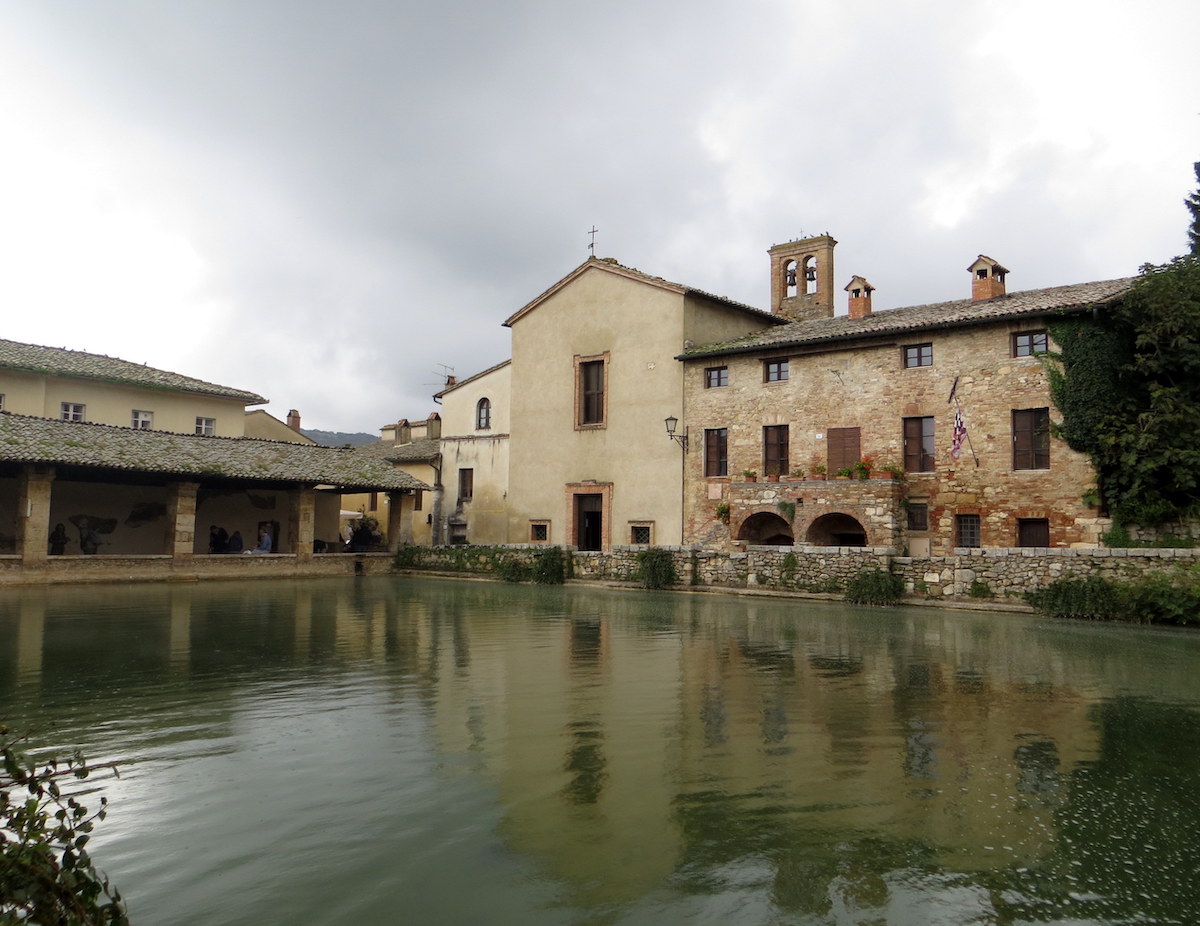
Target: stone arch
{"x":766,"y":529}
{"x":836,"y":530}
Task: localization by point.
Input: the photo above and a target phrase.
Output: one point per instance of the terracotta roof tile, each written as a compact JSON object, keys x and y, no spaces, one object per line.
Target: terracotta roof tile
{"x":58,"y":361}
{"x":962,"y":312}
{"x":25,"y":439}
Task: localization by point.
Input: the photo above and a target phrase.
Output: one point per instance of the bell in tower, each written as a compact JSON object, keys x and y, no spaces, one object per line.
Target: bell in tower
{"x":802,"y":278}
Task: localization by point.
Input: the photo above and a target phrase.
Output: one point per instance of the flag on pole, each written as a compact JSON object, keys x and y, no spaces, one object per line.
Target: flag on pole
{"x":960,"y":434}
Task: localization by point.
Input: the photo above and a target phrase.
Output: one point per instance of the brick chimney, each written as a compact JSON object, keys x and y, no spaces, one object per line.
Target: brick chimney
{"x":860,"y":297}
{"x":293,"y":420}
{"x":987,"y":278}
{"x":802,"y":278}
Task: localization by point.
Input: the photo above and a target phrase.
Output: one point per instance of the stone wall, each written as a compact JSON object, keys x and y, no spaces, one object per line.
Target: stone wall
{"x":1007,"y":573}
{"x":863,"y":384}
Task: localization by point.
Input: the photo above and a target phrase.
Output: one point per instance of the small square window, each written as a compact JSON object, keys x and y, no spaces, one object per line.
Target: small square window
{"x":1033,"y":532}
{"x":539,"y":531}
{"x":73,"y":411}
{"x":918,"y":516}
{"x":775,"y":371}
{"x":206,"y":427}
{"x":966,"y":530}
{"x":918,"y":355}
{"x":1028,"y":343}
{"x":142,"y":421}
{"x":716,"y":376}
{"x":639,"y":534}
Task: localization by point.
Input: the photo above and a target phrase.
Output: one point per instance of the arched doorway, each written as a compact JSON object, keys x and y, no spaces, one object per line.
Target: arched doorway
{"x":836,"y":530}
{"x":766,"y":529}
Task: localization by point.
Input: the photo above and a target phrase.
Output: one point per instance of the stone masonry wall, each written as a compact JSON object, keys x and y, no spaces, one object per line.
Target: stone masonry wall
{"x":864,"y":384}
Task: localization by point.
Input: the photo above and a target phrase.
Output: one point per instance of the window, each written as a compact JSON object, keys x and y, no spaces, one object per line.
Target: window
{"x":918,"y":445}
{"x":72,"y":411}
{"x":142,"y":421}
{"x":918,"y":516}
{"x":775,"y":450}
{"x":716,"y":452}
{"x":590,"y":395}
{"x":844,"y":448}
{"x":639,"y":534}
{"x":918,"y":355}
{"x":775,"y":371}
{"x":466,"y":485}
{"x":1028,"y":343}
{"x":483,"y":414}
{"x":966,"y":530}
{"x":418,"y":499}
{"x":539,"y":531}
{"x":716,"y":376}
{"x":1033,"y":532}
{"x":1,"y":401}
{"x":1031,"y":438}
{"x":206,"y":426}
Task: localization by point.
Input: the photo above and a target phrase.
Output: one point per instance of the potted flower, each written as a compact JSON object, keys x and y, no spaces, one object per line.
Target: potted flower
{"x":750,"y":475}
{"x":797,"y":473}
{"x":844,"y":473}
{"x":892,"y":471}
{"x":772,"y":474}
{"x":819,"y":471}
{"x":722,"y":513}
{"x":863,"y":468}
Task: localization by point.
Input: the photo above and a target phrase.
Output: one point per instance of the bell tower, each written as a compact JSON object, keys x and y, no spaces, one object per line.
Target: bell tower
{"x":802,"y":278}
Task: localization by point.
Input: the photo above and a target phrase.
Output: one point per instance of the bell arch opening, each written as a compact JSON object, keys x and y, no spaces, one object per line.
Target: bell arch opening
{"x":836,"y":530}
{"x":766,"y":529}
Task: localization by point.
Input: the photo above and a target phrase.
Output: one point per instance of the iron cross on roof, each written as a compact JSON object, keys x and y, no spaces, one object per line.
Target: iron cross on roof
{"x":592,"y":247}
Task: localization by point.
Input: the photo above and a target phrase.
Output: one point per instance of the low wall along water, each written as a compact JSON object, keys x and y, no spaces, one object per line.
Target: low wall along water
{"x":1002,"y":572}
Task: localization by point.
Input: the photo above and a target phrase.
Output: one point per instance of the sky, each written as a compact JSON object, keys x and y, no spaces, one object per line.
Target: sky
{"x":334,"y":204}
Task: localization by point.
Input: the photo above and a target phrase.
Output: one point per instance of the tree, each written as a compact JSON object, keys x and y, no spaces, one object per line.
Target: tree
{"x":46,"y":873}
{"x":1193,"y":206}
{"x":1128,"y":388}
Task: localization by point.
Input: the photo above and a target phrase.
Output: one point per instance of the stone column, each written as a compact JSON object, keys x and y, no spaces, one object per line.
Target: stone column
{"x":181,"y":519}
{"x":33,"y":513}
{"x":399,"y":526}
{"x":302,"y":523}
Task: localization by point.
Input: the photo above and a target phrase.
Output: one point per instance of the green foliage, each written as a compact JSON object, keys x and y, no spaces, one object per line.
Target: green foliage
{"x":1159,"y":598}
{"x":788,"y":567}
{"x":550,"y":568}
{"x":511,"y":569}
{"x":722,"y":512}
{"x":980,"y":589}
{"x":46,"y":873}
{"x":787,"y":510}
{"x":656,"y":568}
{"x":1128,"y":388}
{"x":1193,"y":206}
{"x":875,"y":586}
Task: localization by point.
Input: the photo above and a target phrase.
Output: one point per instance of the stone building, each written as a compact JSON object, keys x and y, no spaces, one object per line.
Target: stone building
{"x":951,"y":396}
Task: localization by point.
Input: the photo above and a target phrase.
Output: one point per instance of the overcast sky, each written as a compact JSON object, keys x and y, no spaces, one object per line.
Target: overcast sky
{"x":326,"y":202}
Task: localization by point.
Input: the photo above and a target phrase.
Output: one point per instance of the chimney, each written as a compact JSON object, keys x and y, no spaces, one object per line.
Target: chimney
{"x":802,"y":278}
{"x":860,"y":297}
{"x":293,"y":420}
{"x":987,"y":278}
{"x":433,"y":426}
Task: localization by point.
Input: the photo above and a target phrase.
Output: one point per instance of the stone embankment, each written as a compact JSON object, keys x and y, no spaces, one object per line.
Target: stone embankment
{"x":1000,"y":573}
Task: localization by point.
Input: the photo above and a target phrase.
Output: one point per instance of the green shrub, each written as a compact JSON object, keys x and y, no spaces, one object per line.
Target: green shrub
{"x":874,"y":586}
{"x":656,"y":568}
{"x":511,"y":569}
{"x":550,"y":568}
{"x":1091,"y":598}
{"x":980,"y":589}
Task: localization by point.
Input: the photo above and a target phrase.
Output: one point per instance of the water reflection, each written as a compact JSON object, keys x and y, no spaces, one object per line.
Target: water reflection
{"x":579,"y":755}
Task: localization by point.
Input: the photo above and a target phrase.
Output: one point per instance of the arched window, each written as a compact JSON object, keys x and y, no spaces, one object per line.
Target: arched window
{"x":810,"y":275}
{"x":483,"y":414}
{"x":789,"y":279}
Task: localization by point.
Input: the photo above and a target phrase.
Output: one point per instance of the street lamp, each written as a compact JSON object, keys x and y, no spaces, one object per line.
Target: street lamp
{"x":681,"y":439}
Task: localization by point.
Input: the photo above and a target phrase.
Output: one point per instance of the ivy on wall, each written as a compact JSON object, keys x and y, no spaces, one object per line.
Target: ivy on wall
{"x":1127,"y":384}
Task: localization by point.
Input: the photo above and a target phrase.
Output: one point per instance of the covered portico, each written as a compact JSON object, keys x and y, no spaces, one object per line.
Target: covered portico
{"x":150,"y":498}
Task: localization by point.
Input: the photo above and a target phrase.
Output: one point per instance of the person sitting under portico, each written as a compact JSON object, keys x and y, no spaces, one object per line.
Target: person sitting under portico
{"x":264,"y":542}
